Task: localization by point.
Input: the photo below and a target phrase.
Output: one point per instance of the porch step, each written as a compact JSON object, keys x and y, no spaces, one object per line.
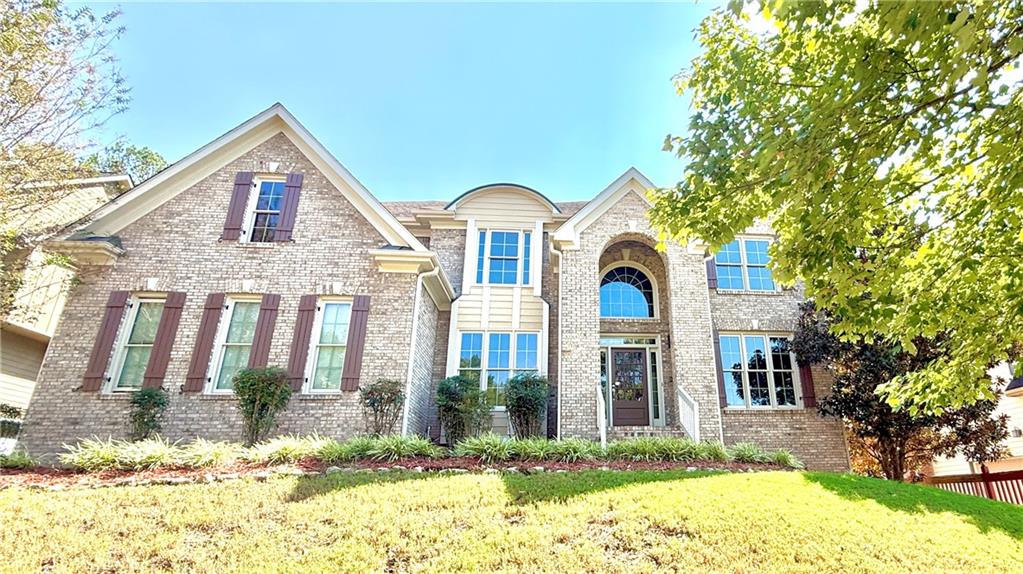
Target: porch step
{"x":620,"y":433}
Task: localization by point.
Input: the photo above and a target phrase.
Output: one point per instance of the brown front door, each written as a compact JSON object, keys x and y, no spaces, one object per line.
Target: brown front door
{"x":629,"y":387}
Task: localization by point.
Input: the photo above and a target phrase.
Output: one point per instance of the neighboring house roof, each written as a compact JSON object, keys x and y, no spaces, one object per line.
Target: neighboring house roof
{"x":181,"y":175}
{"x":1015,"y":384}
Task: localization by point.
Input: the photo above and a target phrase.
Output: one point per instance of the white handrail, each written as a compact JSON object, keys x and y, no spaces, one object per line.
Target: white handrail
{"x":688,"y":413}
{"x":601,"y":417}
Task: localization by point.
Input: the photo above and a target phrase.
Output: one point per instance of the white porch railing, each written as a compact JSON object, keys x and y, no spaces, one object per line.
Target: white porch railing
{"x":688,"y":414}
{"x":601,"y":417}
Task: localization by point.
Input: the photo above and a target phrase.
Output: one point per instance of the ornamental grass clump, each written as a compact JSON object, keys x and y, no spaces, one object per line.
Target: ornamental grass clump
{"x":97,"y":455}
{"x":575,"y":450}
{"x":785,"y":458}
{"x":17,"y":460}
{"x":710,"y":450}
{"x":397,"y":447}
{"x":532,"y":449}
{"x":487,"y":447}
{"x":747,"y":452}
{"x":287,"y":449}
{"x":202,"y":453}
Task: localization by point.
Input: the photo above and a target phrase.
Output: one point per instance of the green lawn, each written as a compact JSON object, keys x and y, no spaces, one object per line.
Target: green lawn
{"x":590,"y":521}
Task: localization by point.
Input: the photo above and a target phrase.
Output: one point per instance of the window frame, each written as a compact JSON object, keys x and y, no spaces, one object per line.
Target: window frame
{"x":744,"y":266}
{"x":512,"y":369}
{"x":314,"y":344}
{"x":253,"y":201}
{"x":656,"y":303}
{"x":220,"y":342}
{"x":484,"y":243}
{"x":766,"y":336}
{"x":120,"y":353}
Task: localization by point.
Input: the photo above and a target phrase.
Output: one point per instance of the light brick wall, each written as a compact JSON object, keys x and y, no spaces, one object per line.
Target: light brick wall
{"x":178,"y":244}
{"x":420,"y":396}
{"x":449,"y":244}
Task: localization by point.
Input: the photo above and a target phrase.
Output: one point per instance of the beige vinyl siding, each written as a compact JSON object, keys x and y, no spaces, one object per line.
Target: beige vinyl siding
{"x":20,"y":359}
{"x":1012,"y":406}
{"x":500,"y":309}
{"x":507,"y":207}
{"x":40,"y":299}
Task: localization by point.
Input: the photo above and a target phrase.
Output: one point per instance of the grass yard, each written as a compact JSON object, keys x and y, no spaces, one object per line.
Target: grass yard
{"x":568,"y":522}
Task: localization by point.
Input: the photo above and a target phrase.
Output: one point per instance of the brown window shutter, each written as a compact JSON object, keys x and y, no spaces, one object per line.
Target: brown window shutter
{"x":196,"y":377}
{"x":356,"y":343}
{"x":260,"y":353}
{"x":722,"y":397}
{"x":236,"y":209}
{"x":289,"y":207}
{"x":712,"y":274}
{"x":806,"y":381}
{"x":300,"y":341}
{"x":156,"y":369}
{"x":96,"y":370}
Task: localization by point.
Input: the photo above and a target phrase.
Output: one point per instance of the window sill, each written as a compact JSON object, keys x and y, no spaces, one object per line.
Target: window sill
{"x":115,"y":396}
{"x":318,"y":396}
{"x":254,"y":244}
{"x":632,"y":319}
{"x":762,"y":410}
{"x":748,"y":292}
{"x":216,"y":396}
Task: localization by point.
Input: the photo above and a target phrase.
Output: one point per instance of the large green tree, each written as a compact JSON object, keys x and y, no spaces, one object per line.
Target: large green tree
{"x":884,"y":140}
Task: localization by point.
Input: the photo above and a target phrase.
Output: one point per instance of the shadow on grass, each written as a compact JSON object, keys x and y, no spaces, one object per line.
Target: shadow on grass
{"x":917,"y":499}
{"x":312,"y":486}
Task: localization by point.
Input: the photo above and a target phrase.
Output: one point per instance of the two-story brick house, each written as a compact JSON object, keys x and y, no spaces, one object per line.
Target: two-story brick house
{"x":262,"y":249}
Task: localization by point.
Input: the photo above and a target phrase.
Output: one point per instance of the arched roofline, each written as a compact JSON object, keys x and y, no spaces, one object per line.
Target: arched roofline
{"x":490,"y":186}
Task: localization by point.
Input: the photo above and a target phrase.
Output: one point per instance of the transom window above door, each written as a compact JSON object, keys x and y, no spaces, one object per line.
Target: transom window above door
{"x":504,"y":257}
{"x":265,"y":213}
{"x":742,"y":265}
{"x":626,"y":293}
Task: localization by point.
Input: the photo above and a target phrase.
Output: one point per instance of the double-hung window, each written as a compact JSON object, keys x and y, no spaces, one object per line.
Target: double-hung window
{"x":504,"y":257}
{"x":265,"y":210}
{"x":329,"y":343}
{"x":742,"y":265}
{"x":136,"y":344}
{"x":758,"y":370}
{"x":238,"y":328}
{"x":494,"y":363}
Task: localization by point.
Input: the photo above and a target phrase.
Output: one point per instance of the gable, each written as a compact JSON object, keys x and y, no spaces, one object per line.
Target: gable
{"x":503,"y":203}
{"x":632,"y":185}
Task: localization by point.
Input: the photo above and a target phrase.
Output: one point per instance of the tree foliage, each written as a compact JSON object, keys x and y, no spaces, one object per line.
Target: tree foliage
{"x":139,"y":162}
{"x":894,"y":440}
{"x":882,"y":140}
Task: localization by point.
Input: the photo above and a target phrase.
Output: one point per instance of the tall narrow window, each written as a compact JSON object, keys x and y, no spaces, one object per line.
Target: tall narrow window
{"x":729,"y":267}
{"x":756,"y":259}
{"x":329,"y":346}
{"x":756,"y":364}
{"x":655,"y":394}
{"x":498,"y":367}
{"x":731,"y":367}
{"x":525,"y":353}
{"x":470,"y":358}
{"x":504,"y":257}
{"x":236,"y":343}
{"x":479,"y":259}
{"x":525,"y":257}
{"x":266,"y":213}
{"x":781,"y":363}
{"x":137,"y":346}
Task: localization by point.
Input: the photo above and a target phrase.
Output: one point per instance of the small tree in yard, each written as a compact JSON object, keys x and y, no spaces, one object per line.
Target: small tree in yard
{"x":381,"y":405}
{"x":147,"y":408}
{"x":262,"y":395}
{"x":887,"y":441}
{"x":527,"y":403}
{"x":462,"y":408}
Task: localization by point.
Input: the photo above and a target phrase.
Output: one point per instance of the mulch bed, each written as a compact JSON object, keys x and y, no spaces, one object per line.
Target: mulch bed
{"x":61,"y":479}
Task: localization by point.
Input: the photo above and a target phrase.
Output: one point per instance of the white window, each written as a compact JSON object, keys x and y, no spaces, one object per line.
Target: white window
{"x":742,"y":265}
{"x":135,"y":343}
{"x":264,"y":210}
{"x":327,"y":346}
{"x":234,"y":342}
{"x":493,"y":359}
{"x":504,"y":257}
{"x":759,"y":370}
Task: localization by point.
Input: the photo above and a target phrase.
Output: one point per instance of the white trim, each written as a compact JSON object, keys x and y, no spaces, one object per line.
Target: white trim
{"x":568,"y":233}
{"x":797,"y":388}
{"x":217,"y":356}
{"x":453,"y":335}
{"x":120,"y":352}
{"x":653,"y":282}
{"x":536,"y":260}
{"x":520,"y":259}
{"x":472,"y":248}
{"x":512,"y":350}
{"x":314,"y":343}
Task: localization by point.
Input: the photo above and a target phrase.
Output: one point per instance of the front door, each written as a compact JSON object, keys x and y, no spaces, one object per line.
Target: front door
{"x":629,"y":387}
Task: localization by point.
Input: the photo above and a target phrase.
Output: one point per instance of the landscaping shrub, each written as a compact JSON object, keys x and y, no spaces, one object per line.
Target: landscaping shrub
{"x":16,"y":460}
{"x":488,"y":447}
{"x":668,"y":449}
{"x":785,"y":458}
{"x":95,"y":455}
{"x":527,"y":404}
{"x":575,"y":450}
{"x":262,"y":395}
{"x":10,"y":421}
{"x":747,"y":452}
{"x":713,"y":450}
{"x":334,"y":452}
{"x":395,"y":447}
{"x":92,"y":455}
{"x":462,"y":408}
{"x":146,"y":410}
{"x":638,"y":449}
{"x":381,"y":405}
{"x":532,"y":449}
{"x":286,"y":449}
{"x":202,"y":453}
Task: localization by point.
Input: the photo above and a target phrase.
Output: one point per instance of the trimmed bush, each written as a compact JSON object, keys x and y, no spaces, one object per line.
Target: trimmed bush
{"x":527,"y":404}
{"x":17,"y":460}
{"x":146,"y":409}
{"x":747,"y":452}
{"x":462,"y":408}
{"x":381,"y":405}
{"x":395,"y":447}
{"x":262,"y":395}
{"x":202,"y":453}
{"x":488,"y":447}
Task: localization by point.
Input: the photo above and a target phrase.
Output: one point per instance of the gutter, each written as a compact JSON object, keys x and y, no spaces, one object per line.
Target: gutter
{"x":412,"y":344}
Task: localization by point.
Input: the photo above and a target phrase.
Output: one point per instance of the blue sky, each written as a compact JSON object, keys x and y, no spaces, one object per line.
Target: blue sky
{"x":422,"y":101}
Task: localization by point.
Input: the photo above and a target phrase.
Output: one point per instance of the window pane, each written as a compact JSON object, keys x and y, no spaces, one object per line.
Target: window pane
{"x":146,"y":322}
{"x":759,"y":393}
{"x":499,"y":351}
{"x":525,"y":351}
{"x":471,"y":353}
{"x":243,"y":322}
{"x":756,"y":353}
{"x":270,"y":194}
{"x":784,"y":390}
{"x":781,"y":357}
{"x":504,"y":244}
{"x":626,"y":292}
{"x":497,"y":383}
{"x":334,"y":327}
{"x":760,"y":279}
{"x":730,"y":277}
{"x":236,"y":358}
{"x":472,"y":375}
{"x":756,"y":252}
{"x":654,"y":392}
{"x":729,"y":254}
{"x":525,"y":257}
{"x":330,"y":362}
{"x":135,"y":361}
{"x":503,"y":271}
{"x":733,"y":389}
{"x":479,"y":258}
{"x":731,"y":355}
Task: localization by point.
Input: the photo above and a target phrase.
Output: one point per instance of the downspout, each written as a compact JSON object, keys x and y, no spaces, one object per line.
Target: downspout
{"x":561,"y":271}
{"x":412,"y":345}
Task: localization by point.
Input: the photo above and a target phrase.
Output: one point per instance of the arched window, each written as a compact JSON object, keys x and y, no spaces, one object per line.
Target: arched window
{"x":626,"y":292}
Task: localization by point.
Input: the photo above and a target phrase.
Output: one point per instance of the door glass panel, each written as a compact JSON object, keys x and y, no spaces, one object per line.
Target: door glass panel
{"x":629,"y":376}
